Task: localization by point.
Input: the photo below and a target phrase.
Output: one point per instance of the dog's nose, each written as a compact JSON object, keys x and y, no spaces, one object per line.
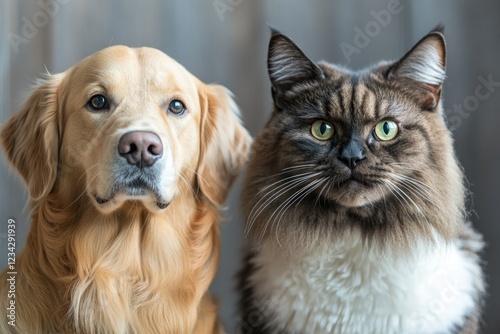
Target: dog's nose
{"x":141,"y":149}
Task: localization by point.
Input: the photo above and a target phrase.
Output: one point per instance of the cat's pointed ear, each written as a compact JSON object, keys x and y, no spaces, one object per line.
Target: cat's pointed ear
{"x":423,"y":68}
{"x":288,"y":65}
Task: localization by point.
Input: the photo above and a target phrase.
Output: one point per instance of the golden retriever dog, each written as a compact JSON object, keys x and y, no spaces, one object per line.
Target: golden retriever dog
{"x":127,"y":158}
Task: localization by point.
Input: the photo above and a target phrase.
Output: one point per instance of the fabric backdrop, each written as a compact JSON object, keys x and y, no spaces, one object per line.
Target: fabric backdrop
{"x":225,"y":41}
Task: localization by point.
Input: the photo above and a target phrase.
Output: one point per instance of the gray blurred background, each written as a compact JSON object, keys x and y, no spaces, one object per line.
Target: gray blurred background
{"x":225,"y":41}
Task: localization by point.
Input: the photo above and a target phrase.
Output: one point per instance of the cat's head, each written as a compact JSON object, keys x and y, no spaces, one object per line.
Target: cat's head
{"x":359,"y":129}
{"x":369,"y":138}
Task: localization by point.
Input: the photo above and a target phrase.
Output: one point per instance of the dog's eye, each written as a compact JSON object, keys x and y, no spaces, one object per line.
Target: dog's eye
{"x":98,"y":103}
{"x":176,"y":107}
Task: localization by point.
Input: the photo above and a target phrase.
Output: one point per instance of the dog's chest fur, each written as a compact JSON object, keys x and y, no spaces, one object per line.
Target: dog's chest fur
{"x":350,"y":289}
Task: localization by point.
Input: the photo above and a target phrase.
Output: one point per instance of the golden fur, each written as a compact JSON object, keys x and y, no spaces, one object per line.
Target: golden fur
{"x":127,"y":266}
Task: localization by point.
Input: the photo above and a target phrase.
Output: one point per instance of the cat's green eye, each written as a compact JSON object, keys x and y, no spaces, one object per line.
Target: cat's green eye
{"x":386,"y":130}
{"x":322,"y":130}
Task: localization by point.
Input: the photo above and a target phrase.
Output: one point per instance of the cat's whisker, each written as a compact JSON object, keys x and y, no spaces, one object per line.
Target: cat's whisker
{"x":395,"y":191}
{"x":284,"y":180}
{"x":295,"y":199}
{"x":383,"y":195}
{"x":330,"y":185}
{"x":410,"y":201}
{"x":316,"y":202}
{"x":285,"y":204}
{"x":342,"y":194}
{"x":315,"y":185}
{"x":268,"y":197}
{"x":272,"y":195}
{"x":288,"y":170}
{"x":369,"y":201}
{"x":431,"y":191}
{"x":409,"y":166}
{"x":416,"y":192}
{"x":299,"y":167}
{"x":279,"y":207}
{"x":420,"y":189}
{"x":398,"y":190}
{"x":413,"y":180}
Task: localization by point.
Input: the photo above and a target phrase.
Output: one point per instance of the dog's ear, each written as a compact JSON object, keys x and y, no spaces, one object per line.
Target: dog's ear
{"x":30,"y":138}
{"x":224,"y":143}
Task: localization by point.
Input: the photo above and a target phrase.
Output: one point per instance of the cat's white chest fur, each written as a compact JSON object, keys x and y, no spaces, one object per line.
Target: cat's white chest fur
{"x":350,"y":289}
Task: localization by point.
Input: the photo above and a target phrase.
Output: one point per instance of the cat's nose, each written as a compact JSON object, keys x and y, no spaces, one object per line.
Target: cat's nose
{"x":352,"y":154}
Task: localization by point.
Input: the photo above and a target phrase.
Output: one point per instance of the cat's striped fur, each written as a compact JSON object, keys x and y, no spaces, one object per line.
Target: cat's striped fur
{"x":381,"y":245}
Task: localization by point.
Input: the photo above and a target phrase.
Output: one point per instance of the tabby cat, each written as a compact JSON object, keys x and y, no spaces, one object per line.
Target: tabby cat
{"x":355,"y":203}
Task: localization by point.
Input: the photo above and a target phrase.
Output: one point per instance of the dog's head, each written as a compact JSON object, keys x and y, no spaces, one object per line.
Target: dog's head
{"x":127,"y":124}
